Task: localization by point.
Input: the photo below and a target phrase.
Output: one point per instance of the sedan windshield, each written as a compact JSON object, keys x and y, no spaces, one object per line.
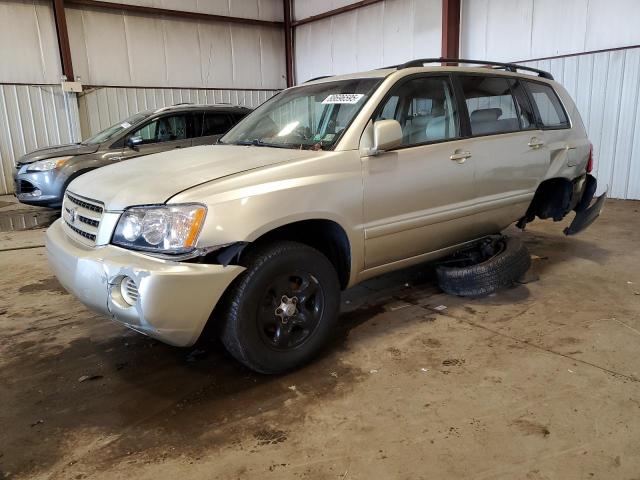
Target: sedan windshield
{"x":309,"y":117}
{"x":113,"y":130}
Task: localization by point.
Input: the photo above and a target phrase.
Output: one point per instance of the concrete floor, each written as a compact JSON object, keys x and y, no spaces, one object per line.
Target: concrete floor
{"x":537,"y":382}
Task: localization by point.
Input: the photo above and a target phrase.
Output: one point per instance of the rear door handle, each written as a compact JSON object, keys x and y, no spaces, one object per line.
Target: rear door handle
{"x":535,"y":143}
{"x":460,"y":156}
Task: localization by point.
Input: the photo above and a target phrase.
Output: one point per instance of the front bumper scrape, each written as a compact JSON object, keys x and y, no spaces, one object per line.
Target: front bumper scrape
{"x":586,"y":211}
{"x":174,"y":301}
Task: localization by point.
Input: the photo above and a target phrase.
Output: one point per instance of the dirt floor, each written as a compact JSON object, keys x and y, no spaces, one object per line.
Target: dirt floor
{"x":537,"y":382}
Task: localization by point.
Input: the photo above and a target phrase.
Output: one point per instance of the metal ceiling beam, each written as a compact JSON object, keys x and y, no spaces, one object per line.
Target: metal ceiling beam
{"x":63,"y":39}
{"x":171,"y":13}
{"x":288,"y":42}
{"x":450,"y":28}
{"x":334,"y":12}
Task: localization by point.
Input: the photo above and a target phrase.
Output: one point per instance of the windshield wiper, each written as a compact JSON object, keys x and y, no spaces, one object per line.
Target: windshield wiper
{"x":259,"y":143}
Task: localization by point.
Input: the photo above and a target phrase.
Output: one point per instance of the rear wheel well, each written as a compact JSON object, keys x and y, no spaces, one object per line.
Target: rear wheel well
{"x":326,"y":236}
{"x":551,"y":200}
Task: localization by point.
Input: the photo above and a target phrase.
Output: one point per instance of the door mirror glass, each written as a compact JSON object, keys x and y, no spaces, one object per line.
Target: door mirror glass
{"x":133,"y":142}
{"x":387,"y":134}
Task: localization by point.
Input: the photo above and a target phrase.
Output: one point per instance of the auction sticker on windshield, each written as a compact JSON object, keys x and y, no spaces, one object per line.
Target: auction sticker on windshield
{"x":343,"y":98}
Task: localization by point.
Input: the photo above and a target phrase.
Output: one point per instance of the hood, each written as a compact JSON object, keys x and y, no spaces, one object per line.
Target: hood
{"x":57,"y":151}
{"x":154,"y":179}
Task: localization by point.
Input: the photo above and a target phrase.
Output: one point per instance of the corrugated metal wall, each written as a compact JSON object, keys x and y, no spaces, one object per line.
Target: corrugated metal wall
{"x":102,"y":107}
{"x":209,"y":60}
{"x":28,"y":42}
{"x":375,"y":36}
{"x":31,"y":117}
{"x":111,"y":47}
{"x":521,"y":29}
{"x":606,"y":86}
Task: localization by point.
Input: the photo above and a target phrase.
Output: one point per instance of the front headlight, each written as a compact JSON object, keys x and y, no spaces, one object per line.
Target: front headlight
{"x":163,"y":229}
{"x":48,"y":164}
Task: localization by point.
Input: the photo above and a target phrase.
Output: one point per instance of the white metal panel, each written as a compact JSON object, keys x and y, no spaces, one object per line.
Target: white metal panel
{"x":147,"y":66}
{"x":33,"y":117}
{"x":612,"y":24}
{"x":101,"y":107}
{"x":28,"y":42}
{"x":368,"y":40}
{"x":309,"y":8}
{"x":521,"y":29}
{"x":117,"y":48}
{"x":270,"y":10}
{"x":558,"y":28}
{"x":182,"y":53}
{"x":375,"y":36}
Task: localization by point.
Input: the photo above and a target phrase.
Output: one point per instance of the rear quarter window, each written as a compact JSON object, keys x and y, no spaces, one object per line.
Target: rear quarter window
{"x":548,"y":107}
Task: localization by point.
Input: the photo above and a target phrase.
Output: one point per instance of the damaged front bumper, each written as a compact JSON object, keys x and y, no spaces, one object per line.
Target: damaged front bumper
{"x":167,"y":300}
{"x":586,"y":211}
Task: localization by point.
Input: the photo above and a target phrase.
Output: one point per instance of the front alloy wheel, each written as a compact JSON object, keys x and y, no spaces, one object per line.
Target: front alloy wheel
{"x":282,"y":310}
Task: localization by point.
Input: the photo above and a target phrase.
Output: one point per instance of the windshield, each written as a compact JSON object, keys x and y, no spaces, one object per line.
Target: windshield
{"x":308,"y":117}
{"x":114,"y":130}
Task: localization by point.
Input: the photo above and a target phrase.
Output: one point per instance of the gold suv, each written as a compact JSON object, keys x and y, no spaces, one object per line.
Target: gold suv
{"x":325,"y":185}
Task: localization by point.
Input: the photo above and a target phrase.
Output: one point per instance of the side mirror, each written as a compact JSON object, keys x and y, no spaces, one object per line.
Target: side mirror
{"x":133,"y":142}
{"x":387,"y":134}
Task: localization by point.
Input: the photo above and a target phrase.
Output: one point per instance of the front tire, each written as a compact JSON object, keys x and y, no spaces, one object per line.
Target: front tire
{"x":281,"y":311}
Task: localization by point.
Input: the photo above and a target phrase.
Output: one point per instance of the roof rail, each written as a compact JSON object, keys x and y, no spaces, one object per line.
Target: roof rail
{"x":510,"y":67}
{"x":318,"y":78}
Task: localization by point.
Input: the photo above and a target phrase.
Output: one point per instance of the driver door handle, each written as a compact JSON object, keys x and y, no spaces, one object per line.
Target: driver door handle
{"x":460,"y":156}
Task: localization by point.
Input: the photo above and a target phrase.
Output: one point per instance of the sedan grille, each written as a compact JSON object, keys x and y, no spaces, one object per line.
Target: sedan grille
{"x":82,"y":218}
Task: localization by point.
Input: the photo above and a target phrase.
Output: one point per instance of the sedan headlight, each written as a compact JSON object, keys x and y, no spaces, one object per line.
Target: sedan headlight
{"x":48,"y":164}
{"x":163,"y":229}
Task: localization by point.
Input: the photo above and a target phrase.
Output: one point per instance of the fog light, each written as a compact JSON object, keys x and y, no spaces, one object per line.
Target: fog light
{"x":36,"y":193}
{"x":129,"y":290}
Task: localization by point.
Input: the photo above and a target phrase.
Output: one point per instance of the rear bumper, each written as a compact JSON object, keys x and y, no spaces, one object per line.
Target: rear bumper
{"x":586,"y":212}
{"x":174,"y":300}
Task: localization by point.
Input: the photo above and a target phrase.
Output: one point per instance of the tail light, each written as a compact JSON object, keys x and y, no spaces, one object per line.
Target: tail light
{"x":590,"y":161}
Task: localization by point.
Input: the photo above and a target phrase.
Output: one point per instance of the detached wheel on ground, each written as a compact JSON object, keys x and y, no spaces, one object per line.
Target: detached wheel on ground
{"x":497,"y":262}
{"x":281,"y":311}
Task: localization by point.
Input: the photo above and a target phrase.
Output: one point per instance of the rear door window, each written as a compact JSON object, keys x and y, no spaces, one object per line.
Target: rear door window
{"x":547,"y":105}
{"x":492,"y":108}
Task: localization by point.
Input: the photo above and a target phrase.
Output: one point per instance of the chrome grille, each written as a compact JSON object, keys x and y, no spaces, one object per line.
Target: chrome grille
{"x":81,"y":203}
{"x":82,"y":217}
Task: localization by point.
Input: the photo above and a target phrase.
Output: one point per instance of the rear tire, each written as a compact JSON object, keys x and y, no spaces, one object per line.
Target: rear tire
{"x":499,"y":271}
{"x":279,"y":313}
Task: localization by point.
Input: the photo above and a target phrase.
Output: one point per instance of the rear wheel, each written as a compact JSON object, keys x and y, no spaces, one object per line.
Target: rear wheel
{"x":282,"y":309}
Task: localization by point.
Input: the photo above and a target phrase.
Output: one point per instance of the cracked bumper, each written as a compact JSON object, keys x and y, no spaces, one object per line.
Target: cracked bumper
{"x":587,"y":211}
{"x":175,"y":299}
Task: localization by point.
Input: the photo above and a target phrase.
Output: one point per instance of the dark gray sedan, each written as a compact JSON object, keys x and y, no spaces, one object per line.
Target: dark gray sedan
{"x":41,"y":177}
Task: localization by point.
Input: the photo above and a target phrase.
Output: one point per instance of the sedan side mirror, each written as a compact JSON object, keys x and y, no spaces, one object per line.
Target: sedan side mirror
{"x":387,"y":135}
{"x":133,"y":142}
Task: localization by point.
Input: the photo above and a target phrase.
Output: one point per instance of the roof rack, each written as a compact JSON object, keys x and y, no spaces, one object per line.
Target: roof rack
{"x":510,"y":67}
{"x":318,"y":78}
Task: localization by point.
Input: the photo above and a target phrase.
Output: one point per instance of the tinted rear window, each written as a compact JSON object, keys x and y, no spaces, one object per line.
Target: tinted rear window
{"x":547,"y":105}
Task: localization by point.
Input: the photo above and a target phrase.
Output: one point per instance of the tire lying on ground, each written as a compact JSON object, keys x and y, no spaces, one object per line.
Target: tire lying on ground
{"x":479,"y":273}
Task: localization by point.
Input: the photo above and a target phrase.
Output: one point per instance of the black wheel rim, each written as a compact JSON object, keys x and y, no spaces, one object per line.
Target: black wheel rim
{"x":290,"y":311}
